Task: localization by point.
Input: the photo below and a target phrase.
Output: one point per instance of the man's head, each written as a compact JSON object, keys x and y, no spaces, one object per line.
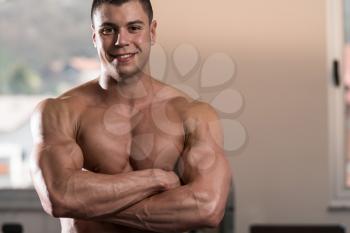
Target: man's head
{"x":146,"y":5}
{"x":123,"y":32}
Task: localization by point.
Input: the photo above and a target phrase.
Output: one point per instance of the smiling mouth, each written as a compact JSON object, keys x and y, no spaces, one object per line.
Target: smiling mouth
{"x":124,"y":58}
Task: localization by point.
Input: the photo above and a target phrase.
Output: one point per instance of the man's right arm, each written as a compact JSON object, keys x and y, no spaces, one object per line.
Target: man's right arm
{"x":64,"y":188}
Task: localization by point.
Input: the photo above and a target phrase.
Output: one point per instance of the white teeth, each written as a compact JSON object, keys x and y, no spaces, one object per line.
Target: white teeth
{"x":125,"y":56}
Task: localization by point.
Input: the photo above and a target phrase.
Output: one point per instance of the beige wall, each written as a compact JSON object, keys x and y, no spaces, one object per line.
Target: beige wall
{"x":279,"y":46}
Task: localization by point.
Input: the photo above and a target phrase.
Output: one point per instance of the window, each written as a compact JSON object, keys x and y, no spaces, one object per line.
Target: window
{"x":37,"y":60}
{"x":339,"y":101}
{"x":347,"y":86}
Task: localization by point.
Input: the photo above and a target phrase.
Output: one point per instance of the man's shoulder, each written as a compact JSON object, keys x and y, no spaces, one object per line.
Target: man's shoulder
{"x":54,"y":113}
{"x":68,"y":105}
{"x":200,"y":111}
{"x":53,"y":118}
{"x":195,"y":115}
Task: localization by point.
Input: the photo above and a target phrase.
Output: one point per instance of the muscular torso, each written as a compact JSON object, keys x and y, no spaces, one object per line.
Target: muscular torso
{"x":115,"y":138}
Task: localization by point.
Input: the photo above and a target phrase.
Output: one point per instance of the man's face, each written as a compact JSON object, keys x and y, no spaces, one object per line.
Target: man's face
{"x":123,"y":37}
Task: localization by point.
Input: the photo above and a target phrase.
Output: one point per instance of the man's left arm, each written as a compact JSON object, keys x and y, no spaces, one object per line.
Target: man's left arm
{"x":206,"y":175}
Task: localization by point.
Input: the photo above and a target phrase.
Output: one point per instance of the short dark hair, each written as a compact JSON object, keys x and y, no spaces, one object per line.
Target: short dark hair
{"x":146,"y":5}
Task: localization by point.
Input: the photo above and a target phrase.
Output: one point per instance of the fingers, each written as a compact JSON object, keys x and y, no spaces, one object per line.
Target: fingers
{"x":166,"y":179}
{"x":174,"y":181}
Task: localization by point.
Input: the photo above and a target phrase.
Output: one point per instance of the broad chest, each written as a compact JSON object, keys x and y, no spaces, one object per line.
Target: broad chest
{"x":115,"y":141}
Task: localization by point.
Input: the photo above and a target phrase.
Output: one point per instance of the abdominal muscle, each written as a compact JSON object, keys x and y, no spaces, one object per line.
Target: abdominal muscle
{"x":83,"y":226}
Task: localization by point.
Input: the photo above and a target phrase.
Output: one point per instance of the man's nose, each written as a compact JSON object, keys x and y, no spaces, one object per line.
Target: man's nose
{"x":122,"y":39}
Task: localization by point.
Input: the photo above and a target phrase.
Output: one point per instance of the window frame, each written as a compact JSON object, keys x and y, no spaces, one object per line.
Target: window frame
{"x":339,"y":193}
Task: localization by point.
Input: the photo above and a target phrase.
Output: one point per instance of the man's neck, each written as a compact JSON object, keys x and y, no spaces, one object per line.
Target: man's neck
{"x":136,"y":91}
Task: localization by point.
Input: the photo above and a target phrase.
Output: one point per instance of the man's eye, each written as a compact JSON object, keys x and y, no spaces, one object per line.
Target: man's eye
{"x":107,"y":31}
{"x":134,"y":28}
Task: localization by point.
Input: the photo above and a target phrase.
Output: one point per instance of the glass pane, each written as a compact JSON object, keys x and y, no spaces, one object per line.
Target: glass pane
{"x":347,"y":20}
{"x":43,"y":51}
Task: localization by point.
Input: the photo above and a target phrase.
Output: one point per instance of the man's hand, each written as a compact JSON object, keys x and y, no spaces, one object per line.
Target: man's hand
{"x":168,"y":179}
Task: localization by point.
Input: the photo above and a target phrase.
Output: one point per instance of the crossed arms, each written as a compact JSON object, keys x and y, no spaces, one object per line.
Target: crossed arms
{"x":151,"y":199}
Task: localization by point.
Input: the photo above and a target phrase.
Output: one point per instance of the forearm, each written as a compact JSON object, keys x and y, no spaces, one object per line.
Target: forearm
{"x":88,"y":195}
{"x":178,"y":210}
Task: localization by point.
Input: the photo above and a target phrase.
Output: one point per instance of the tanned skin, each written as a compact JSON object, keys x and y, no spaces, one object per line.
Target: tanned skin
{"x":124,"y":152}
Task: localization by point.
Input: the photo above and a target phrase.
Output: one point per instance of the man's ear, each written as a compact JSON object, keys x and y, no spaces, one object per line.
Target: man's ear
{"x":153,"y":29}
{"x":93,"y":35}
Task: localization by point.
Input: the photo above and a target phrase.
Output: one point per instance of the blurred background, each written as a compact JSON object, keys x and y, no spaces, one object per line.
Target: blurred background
{"x":45,"y":50}
{"x":285,"y":119}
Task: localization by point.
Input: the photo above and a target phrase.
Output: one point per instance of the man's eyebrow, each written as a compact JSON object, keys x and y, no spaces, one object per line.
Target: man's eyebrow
{"x":114,"y":25}
{"x":136,"y":22}
{"x":107,"y":24}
